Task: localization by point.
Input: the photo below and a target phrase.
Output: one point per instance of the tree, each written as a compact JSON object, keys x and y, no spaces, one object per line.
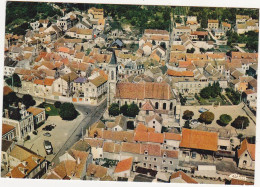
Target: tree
{"x":68,"y":111}
{"x":132,"y":110}
{"x":28,"y":100}
{"x":113,"y":109}
{"x":123,"y":109}
{"x":187,"y":114}
{"x":224,"y":119}
{"x":187,"y":125}
{"x":14,"y":80}
{"x":207,"y":117}
{"x":202,"y":50}
{"x":57,"y":104}
{"x":10,"y":99}
{"x":241,"y":122}
{"x":190,"y":50}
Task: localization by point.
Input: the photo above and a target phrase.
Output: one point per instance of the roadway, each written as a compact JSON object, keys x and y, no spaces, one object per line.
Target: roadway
{"x":91,"y":115}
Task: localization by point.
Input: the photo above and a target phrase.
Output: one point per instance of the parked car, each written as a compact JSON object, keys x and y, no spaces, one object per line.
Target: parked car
{"x":48,"y":147}
{"x":47,"y":134}
{"x":194,"y":122}
{"x":201,"y":110}
{"x":48,"y":128}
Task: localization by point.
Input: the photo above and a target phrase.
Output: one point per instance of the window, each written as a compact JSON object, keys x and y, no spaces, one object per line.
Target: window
{"x":154,"y":159}
{"x":146,"y":152}
{"x":244,"y":162}
{"x":147,"y":112}
{"x":171,"y":162}
{"x":164,"y":106}
{"x":146,"y":158}
{"x":164,"y":155}
{"x":245,"y":155}
{"x":164,"y":161}
{"x":156,"y":105}
{"x":144,"y":164}
{"x":153,"y":122}
{"x":155,"y":167}
{"x":154,"y":127}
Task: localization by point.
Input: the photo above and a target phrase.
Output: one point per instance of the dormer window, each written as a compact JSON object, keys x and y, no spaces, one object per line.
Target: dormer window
{"x":146,"y":152}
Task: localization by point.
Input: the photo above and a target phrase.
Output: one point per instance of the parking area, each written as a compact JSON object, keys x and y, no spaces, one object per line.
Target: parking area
{"x":58,"y":136}
{"x":233,"y":111}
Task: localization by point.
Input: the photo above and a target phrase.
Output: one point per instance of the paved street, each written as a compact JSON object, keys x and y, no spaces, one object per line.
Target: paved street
{"x":66,"y":133}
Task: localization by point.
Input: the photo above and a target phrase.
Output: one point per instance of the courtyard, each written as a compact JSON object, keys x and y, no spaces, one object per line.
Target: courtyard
{"x":232,"y":110}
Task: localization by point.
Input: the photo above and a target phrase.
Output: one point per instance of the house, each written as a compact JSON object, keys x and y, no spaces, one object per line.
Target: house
{"x":95,"y":90}
{"x":250,"y":98}
{"x":43,"y":87}
{"x":96,"y":172}
{"x":118,"y":125}
{"x":225,"y":26}
{"x":8,"y":132}
{"x":213,"y":24}
{"x":172,"y":141}
{"x":23,"y":123}
{"x":155,"y":122}
{"x":9,"y":66}
{"x":192,"y":23}
{"x":123,"y":168}
{"x":25,"y":163}
{"x":181,"y":177}
{"x":38,"y":116}
{"x":195,"y":143}
{"x":178,"y":31}
{"x":246,"y":155}
{"x":7,"y":147}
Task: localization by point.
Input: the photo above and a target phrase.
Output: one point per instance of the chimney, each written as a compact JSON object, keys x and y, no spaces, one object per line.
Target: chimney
{"x":6,"y":114}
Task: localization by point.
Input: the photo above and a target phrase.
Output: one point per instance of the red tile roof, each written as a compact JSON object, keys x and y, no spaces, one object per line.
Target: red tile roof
{"x":147,"y":90}
{"x":240,"y":182}
{"x":246,"y":146}
{"x":7,"y":128}
{"x":124,"y":165}
{"x":152,"y":149}
{"x":199,"y":140}
{"x":184,"y":177}
{"x":7,"y":90}
{"x":180,"y":73}
{"x":172,"y":136}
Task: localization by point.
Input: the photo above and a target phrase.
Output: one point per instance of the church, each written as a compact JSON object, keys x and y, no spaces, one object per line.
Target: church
{"x":162,"y":100}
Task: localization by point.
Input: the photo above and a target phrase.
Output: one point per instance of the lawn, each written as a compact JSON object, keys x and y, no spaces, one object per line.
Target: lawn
{"x":50,"y":109}
{"x":216,"y":101}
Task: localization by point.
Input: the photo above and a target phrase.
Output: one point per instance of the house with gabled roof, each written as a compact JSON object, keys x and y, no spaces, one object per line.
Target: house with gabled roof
{"x":119,"y":124}
{"x":124,"y":168}
{"x":155,"y":122}
{"x":25,"y":163}
{"x":96,"y":172}
{"x":246,"y":155}
{"x":181,"y":177}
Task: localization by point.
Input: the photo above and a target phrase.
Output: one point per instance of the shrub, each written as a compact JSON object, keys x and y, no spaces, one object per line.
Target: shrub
{"x":57,"y":104}
{"x":224,"y":119}
{"x":241,"y":122}
{"x":207,"y":117}
{"x":68,"y":111}
{"x":113,"y":109}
